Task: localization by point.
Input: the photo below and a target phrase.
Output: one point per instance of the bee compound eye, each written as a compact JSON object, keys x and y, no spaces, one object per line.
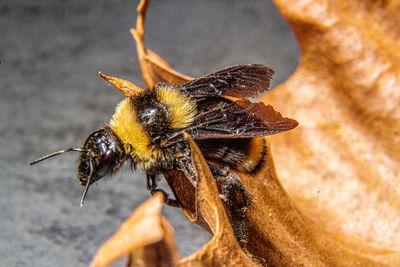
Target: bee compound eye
{"x":105,"y":164}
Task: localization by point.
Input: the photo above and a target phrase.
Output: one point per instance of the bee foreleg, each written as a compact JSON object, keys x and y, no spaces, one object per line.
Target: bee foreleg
{"x":151,"y":181}
{"x":167,"y":199}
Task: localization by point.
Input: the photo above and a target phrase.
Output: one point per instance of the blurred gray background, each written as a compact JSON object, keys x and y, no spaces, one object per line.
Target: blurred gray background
{"x":51,"y":98}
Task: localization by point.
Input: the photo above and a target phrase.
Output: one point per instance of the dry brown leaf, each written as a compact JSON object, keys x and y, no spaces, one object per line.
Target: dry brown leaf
{"x":341,"y":166}
{"x":146,"y":237}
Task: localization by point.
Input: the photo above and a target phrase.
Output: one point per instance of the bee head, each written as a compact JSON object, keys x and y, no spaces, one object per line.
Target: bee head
{"x":102,"y":155}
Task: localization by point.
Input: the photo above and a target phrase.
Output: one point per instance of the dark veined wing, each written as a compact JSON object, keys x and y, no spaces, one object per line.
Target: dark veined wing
{"x":241,"y":81}
{"x":220,"y":118}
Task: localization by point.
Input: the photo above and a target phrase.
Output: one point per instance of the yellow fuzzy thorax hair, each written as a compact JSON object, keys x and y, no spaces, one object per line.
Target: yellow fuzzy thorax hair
{"x":137,"y":142}
{"x":182,"y":110}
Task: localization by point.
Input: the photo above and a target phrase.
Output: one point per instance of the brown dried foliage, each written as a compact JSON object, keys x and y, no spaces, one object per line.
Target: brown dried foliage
{"x":341,"y":166}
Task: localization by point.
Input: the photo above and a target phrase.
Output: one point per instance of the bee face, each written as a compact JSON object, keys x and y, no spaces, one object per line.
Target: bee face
{"x":102,"y":155}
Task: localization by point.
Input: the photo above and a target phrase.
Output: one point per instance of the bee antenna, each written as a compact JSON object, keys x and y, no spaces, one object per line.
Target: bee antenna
{"x":55,"y":154}
{"x":87,"y":183}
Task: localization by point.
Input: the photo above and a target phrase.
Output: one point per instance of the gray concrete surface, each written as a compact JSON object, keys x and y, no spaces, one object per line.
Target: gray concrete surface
{"x":52,"y":98}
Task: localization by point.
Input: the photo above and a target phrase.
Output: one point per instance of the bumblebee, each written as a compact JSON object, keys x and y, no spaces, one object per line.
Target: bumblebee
{"x":146,"y":129}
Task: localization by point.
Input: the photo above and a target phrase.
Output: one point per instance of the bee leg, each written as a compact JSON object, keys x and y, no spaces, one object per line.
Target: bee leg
{"x":167,"y":199}
{"x":152,"y":185}
{"x":151,"y":182}
{"x":237,"y":200}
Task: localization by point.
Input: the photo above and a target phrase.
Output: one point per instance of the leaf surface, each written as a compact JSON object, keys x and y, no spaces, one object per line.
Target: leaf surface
{"x":342,"y":165}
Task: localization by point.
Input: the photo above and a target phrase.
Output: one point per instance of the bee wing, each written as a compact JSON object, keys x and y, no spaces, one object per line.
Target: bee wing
{"x":241,"y":81}
{"x":239,"y":119}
